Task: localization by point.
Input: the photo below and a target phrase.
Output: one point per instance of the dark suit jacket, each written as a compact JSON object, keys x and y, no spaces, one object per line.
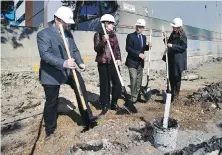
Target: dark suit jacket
{"x":53,"y":54}
{"x":134,"y":48}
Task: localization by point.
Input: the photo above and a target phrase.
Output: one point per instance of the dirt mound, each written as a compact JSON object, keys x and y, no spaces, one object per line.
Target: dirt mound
{"x":23,"y":97}
{"x":97,"y":147}
{"x":211,"y":93}
{"x":19,"y":95}
{"x":219,"y":59}
{"x":205,"y":147}
{"x":109,"y":139}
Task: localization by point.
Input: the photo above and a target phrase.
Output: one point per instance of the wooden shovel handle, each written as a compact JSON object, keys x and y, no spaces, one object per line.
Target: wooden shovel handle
{"x":167,"y":65}
{"x":73,"y":70}
{"x":114,"y":60}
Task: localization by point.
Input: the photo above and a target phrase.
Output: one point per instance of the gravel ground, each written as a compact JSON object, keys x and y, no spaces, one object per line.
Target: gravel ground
{"x":23,"y":101}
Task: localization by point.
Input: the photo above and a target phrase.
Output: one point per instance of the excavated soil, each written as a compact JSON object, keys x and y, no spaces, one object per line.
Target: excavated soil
{"x":22,"y":127}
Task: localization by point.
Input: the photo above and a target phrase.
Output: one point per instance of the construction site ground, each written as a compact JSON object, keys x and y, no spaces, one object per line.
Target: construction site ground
{"x":23,"y":131}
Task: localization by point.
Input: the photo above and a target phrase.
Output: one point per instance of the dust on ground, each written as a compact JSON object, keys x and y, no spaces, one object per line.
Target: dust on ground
{"x":23,"y":102}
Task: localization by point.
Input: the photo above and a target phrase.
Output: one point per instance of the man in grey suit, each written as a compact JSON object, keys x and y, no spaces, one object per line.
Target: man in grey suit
{"x":56,"y":68}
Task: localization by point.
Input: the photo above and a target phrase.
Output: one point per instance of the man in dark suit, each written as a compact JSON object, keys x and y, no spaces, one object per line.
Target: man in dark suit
{"x":56,"y":68}
{"x":135,"y":46}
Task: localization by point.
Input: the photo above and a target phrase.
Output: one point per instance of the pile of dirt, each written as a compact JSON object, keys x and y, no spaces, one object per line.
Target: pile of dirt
{"x":23,"y":97}
{"x":19,"y":95}
{"x":113,"y":135}
{"x":96,"y":147}
{"x":213,"y":144}
{"x":219,"y":59}
{"x":211,"y":93}
{"x":21,"y":111}
{"x":113,"y":138}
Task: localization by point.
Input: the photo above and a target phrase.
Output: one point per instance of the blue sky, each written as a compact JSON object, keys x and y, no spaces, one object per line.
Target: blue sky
{"x":193,"y":13}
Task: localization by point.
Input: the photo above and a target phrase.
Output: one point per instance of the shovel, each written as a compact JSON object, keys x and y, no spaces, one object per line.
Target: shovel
{"x":128,"y":105}
{"x":146,"y":90}
{"x":86,"y":115}
{"x":166,"y":94}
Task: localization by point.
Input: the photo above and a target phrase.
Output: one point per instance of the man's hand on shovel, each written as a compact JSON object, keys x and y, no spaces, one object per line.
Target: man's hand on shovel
{"x":69,"y":63}
{"x":82,"y":67}
{"x":142,"y":56}
{"x":149,"y":44}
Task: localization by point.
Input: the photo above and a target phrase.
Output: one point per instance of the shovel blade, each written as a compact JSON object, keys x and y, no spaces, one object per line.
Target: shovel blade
{"x":145,"y":94}
{"x":129,"y":106}
{"x":164,"y":95}
{"x":167,"y":110}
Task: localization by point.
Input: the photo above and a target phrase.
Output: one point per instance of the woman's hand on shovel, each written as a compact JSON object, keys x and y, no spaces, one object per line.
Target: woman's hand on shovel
{"x":169,"y":45}
{"x":105,"y":38}
{"x":119,"y":63}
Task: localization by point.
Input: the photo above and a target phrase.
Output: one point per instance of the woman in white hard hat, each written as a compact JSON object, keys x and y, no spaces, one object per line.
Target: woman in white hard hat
{"x":177,"y":56}
{"x":106,"y":68}
{"x":136,"y":45}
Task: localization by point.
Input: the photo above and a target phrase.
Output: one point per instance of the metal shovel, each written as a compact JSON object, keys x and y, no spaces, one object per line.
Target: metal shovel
{"x":91,"y":119}
{"x":146,"y":90}
{"x":166,"y":94}
{"x":128,"y":106}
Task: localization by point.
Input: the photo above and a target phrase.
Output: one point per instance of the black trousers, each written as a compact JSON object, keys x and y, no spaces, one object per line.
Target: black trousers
{"x":51,"y":104}
{"x":175,"y":83}
{"x":107,"y":73}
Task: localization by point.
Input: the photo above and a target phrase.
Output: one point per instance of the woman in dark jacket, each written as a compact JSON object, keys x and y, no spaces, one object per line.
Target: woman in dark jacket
{"x":106,"y":67}
{"x":177,"y":56}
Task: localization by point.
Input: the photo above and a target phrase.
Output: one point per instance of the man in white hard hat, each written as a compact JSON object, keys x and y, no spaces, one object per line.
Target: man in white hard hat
{"x":55,"y":68}
{"x":136,"y":45}
{"x":177,"y":56}
{"x":106,"y":68}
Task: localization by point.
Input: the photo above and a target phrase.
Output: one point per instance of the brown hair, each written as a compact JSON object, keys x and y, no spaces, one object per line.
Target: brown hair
{"x":180,"y":32}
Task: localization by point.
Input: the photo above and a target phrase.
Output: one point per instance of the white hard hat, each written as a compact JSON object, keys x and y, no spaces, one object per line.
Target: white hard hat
{"x":140,"y":22}
{"x":107,"y":18}
{"x":177,"y":22}
{"x":65,"y":14}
